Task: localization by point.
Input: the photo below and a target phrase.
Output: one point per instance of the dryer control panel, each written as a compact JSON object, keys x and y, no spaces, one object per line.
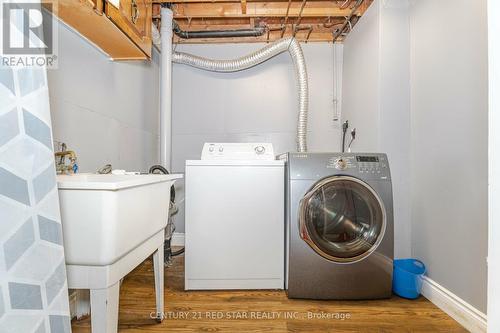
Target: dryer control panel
{"x":371,"y":164}
{"x":361,"y":163}
{"x":374,"y":166}
{"x":237,"y":151}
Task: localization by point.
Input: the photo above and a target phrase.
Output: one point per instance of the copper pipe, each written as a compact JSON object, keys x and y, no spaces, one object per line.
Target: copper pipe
{"x":309,"y":33}
{"x":272,"y":29}
{"x":297,"y":23}
{"x":308,"y":27}
{"x":286,"y":18}
{"x":329,"y":24}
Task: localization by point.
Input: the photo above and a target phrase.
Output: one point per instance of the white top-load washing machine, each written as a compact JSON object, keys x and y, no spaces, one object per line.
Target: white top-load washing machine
{"x":235,"y":218}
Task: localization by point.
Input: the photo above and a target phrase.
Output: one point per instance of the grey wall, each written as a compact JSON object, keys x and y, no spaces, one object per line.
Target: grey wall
{"x":376,"y":88}
{"x":361,"y":73}
{"x":259,"y":104}
{"x":106,"y":111}
{"x":422,"y":93}
{"x":449,"y":126}
{"x":33,"y":287}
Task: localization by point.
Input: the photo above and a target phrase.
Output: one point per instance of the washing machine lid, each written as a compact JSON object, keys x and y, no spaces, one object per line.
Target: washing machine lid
{"x":236,"y":163}
{"x":342,"y":219}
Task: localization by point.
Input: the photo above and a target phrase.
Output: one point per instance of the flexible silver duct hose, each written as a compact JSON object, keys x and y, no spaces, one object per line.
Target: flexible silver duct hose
{"x":289,"y":44}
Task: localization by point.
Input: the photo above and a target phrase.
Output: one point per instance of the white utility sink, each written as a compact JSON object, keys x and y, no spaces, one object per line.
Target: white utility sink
{"x":106,"y":216}
{"x":111,"y":223}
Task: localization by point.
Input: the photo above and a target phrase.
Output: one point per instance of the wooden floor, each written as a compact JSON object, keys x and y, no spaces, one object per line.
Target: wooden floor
{"x":265,"y":311}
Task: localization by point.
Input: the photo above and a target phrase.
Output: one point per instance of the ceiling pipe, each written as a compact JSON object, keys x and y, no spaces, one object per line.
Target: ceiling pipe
{"x":339,"y":32}
{"x":255,"y":32}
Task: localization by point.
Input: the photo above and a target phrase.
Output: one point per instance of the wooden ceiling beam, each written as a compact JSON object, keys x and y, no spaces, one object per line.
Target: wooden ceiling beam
{"x":226,"y":1}
{"x":257,"y":20}
{"x":317,"y":22}
{"x":257,"y":9}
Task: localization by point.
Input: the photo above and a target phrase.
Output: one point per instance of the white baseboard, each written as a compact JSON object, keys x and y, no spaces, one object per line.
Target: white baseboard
{"x":177,"y":239}
{"x":464,"y":313}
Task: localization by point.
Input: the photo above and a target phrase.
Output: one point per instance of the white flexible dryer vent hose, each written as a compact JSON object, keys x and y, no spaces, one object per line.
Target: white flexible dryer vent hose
{"x":289,"y":44}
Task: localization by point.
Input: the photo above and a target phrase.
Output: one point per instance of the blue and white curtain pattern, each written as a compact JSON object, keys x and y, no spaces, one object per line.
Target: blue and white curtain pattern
{"x":33,"y":286}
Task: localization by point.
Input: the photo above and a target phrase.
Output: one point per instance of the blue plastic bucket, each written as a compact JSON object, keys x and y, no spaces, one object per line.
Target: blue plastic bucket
{"x":407,"y":277}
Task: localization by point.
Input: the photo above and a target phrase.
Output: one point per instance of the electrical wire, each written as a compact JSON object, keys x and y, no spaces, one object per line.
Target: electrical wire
{"x":353,"y":136}
{"x":345,"y":126}
{"x":349,"y":23}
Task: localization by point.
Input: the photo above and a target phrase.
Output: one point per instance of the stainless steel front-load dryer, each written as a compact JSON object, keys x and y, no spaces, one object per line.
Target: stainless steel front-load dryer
{"x":339,"y":240}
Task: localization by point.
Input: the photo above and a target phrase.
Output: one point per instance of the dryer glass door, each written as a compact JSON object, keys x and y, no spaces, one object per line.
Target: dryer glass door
{"x":342,"y":218}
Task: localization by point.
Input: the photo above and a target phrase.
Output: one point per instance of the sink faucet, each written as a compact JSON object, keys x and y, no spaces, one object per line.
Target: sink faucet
{"x":61,"y":166}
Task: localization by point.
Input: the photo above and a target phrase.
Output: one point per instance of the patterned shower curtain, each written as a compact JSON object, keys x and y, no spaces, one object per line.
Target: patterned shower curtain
{"x":33,"y":286}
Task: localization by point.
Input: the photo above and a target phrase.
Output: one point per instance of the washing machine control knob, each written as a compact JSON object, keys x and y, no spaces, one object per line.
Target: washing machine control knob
{"x":260,"y":150}
{"x":340,"y":164}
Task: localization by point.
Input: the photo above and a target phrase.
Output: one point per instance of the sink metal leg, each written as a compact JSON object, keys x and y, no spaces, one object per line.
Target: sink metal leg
{"x":104,"y":309}
{"x":159,"y":267}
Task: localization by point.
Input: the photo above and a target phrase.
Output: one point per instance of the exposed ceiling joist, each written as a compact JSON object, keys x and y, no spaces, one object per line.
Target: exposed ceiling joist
{"x":243,"y":6}
{"x":314,"y":20}
{"x":256,"y":9}
{"x":222,"y":1}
